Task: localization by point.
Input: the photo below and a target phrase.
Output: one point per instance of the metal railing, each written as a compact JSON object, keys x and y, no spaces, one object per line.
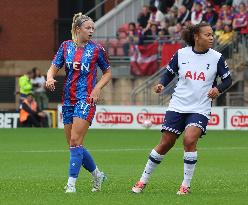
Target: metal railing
{"x":126,"y":11}
{"x":236,"y":98}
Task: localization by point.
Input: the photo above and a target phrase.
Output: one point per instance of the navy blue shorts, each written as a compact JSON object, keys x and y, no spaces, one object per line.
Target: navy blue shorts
{"x":81,"y":109}
{"x":177,"y":122}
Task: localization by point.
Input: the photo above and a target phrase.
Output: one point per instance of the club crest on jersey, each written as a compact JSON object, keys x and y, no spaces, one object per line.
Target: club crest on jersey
{"x":195,"y":75}
{"x":88,"y":53}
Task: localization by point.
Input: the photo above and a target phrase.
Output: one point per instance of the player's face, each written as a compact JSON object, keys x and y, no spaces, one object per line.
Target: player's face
{"x":86,"y":30}
{"x":205,"y":38}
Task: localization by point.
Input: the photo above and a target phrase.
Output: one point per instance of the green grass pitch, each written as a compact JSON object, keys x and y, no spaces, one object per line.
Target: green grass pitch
{"x":34,"y":164}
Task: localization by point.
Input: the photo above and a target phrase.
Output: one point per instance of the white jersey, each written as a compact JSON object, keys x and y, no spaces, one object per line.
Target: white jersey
{"x":197,"y":73}
{"x":41,"y":81}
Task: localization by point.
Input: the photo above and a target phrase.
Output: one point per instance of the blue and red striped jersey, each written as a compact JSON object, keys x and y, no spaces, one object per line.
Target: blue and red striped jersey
{"x":81,"y":69}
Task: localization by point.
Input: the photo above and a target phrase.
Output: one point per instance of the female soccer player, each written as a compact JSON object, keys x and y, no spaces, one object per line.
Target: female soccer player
{"x":80,"y":56}
{"x":197,"y":67}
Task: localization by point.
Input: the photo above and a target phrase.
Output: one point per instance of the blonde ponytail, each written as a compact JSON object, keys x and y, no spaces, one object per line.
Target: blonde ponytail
{"x":77,"y":21}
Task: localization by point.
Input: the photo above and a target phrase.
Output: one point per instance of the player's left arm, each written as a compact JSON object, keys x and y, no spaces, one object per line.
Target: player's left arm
{"x":103,"y":63}
{"x":226,"y":80}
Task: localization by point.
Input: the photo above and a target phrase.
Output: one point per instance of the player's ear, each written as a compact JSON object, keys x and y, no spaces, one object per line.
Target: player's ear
{"x":196,"y":37}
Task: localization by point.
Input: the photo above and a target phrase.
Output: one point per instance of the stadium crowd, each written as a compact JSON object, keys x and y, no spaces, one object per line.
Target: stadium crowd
{"x":163,"y":21}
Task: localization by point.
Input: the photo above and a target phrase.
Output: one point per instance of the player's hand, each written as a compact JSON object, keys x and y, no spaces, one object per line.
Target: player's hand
{"x":158,"y":88}
{"x":213,"y":93}
{"x":50,"y":84}
{"x":94,"y":96}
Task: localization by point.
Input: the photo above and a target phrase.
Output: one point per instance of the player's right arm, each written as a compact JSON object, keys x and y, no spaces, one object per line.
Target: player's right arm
{"x":57,"y":64}
{"x":169,"y":74}
{"x":51,"y":73}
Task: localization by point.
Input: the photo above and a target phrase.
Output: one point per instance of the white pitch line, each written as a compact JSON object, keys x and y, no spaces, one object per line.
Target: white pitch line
{"x":126,"y":150}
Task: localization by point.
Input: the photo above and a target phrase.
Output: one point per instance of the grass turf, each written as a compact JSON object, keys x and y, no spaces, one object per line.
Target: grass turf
{"x":34,"y":164}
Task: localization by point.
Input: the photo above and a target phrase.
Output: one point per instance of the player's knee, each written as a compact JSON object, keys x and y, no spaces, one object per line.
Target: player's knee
{"x":166,"y":143}
{"x":74,"y":141}
{"x":189,"y":143}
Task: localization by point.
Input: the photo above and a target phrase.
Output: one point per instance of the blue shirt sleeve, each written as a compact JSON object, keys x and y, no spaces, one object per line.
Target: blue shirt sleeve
{"x":172,"y":67}
{"x":222,"y":68}
{"x":102,"y":60}
{"x":58,"y":59}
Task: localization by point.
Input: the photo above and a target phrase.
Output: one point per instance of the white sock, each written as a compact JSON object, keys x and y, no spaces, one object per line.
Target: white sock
{"x":190,"y":159}
{"x":71,"y":181}
{"x":153,"y":161}
{"x":96,"y":173}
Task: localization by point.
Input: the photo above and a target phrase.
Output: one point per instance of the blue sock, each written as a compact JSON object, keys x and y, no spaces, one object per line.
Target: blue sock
{"x":76,"y":159}
{"x":88,"y":162}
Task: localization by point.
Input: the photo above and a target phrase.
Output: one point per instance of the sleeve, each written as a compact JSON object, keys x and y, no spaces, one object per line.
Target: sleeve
{"x":172,"y":67}
{"x":170,"y":71}
{"x":58,"y":59}
{"x":102,"y":60}
{"x":166,"y":78}
{"x":222,"y":68}
{"x":225,"y":75}
{"x":226,"y":83}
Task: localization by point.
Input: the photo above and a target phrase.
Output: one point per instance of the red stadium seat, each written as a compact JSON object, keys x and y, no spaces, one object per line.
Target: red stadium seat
{"x":119,"y":51}
{"x":122,"y":35}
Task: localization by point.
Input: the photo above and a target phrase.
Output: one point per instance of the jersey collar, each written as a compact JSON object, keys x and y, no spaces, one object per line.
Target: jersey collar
{"x":199,"y":52}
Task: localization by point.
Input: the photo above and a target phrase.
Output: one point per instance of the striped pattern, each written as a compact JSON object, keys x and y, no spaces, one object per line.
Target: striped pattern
{"x":171,"y":130}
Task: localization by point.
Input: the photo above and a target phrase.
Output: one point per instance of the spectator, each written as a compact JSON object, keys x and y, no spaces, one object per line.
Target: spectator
{"x":236,"y":3}
{"x":30,"y":116}
{"x":143,"y":17}
{"x":25,"y":85}
{"x":240,"y":20}
{"x":183,"y":15}
{"x":176,"y":32}
{"x":178,"y":3}
{"x":155,"y":16}
{"x":197,"y":13}
{"x":151,"y":34}
{"x":165,"y":5}
{"x":226,"y":15}
{"x":226,"y":36}
{"x":171,"y":17}
{"x":160,"y":19}
{"x":38,"y":83}
{"x":210,"y":16}
{"x":153,"y":11}
{"x":132,"y":37}
{"x":154,"y":3}
{"x":218,"y":29}
{"x":163,"y":36}
{"x":188,"y":4}
{"x":183,"y":18}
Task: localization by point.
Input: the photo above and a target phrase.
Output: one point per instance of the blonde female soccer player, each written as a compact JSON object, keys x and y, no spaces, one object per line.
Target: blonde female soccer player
{"x":80,"y":57}
{"x":197,"y":67}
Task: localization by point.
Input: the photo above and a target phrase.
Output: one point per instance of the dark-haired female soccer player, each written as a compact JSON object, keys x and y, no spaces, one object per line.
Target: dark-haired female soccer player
{"x":81,"y":57}
{"x":197,"y":67}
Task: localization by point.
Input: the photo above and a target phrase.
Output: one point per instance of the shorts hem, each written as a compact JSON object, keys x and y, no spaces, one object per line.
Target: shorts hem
{"x":173,"y":130}
{"x":196,"y":125}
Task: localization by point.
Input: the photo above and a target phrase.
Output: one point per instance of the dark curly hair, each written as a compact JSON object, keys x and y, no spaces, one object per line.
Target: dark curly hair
{"x":188,"y":33}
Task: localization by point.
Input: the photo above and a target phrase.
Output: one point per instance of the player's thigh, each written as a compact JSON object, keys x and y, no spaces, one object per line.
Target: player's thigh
{"x":195,"y":127}
{"x":79,"y":130}
{"x":191,"y":136}
{"x":82,"y":117}
{"x":67,"y":131}
{"x":67,"y":114}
